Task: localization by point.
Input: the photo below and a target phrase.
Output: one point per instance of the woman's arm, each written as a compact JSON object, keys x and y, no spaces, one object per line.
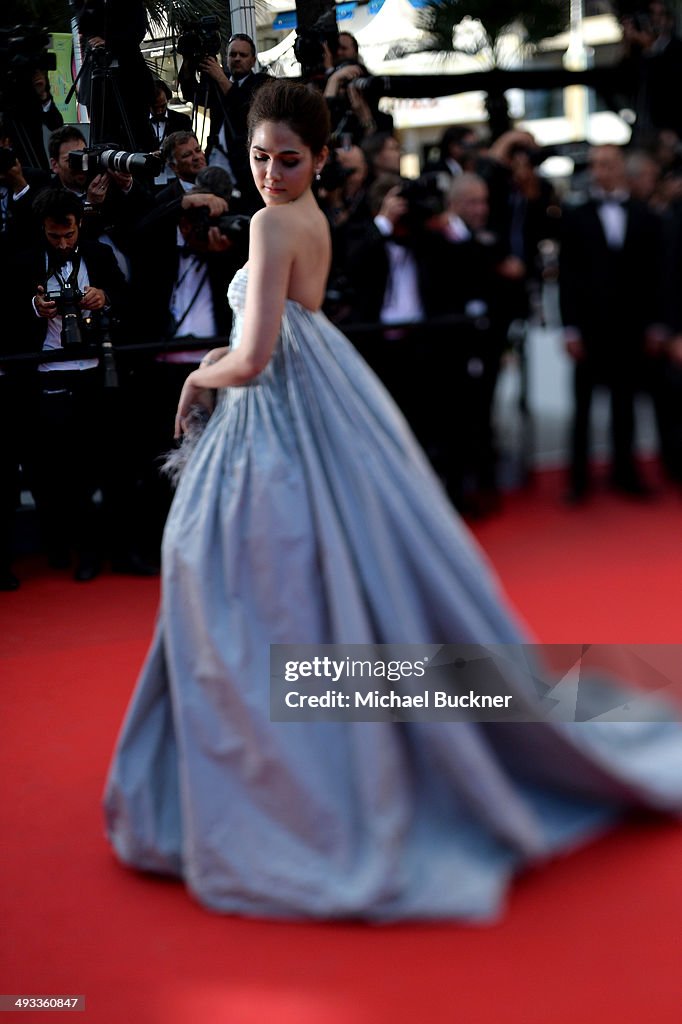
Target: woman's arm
{"x":271,"y":253}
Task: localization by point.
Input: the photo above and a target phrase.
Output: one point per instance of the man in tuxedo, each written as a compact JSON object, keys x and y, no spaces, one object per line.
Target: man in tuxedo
{"x":113,"y":201}
{"x":181,"y":269}
{"x":162,"y":120}
{"x":482,"y":271}
{"x":31,"y":109}
{"x":63,"y":454}
{"x":610,"y":282}
{"x":118,"y":100}
{"x":229,"y":99}
{"x":398,"y":271}
{"x":182,"y":152}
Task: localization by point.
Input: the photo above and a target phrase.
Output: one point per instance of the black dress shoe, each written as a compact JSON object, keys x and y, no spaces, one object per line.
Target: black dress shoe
{"x":59,"y":558}
{"x":133,"y":565}
{"x":575,"y":496}
{"x":87,"y":569}
{"x":8,"y":581}
{"x":632,"y":486}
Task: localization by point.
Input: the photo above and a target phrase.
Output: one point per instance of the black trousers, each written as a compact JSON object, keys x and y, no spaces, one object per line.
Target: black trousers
{"x":619,"y":377}
{"x":17,"y":409}
{"x":154,"y":391}
{"x":63,"y":457}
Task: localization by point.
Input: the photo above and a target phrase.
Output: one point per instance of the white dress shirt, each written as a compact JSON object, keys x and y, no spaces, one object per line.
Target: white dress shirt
{"x":402,"y":300}
{"x":53,"y":338}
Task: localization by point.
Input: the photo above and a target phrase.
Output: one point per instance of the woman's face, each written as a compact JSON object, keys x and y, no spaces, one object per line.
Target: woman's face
{"x":281,"y":163}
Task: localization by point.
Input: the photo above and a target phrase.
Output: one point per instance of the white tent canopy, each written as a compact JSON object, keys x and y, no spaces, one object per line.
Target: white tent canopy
{"x":280,"y":58}
{"x":394,"y":24}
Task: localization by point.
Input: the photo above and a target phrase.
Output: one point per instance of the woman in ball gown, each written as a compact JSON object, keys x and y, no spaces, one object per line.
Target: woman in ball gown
{"x":307,"y":514}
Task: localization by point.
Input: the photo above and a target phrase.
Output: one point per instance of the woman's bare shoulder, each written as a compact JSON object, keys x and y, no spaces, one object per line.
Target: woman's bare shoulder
{"x":278,"y":222}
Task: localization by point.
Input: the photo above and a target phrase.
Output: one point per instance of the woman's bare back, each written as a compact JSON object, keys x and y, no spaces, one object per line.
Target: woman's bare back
{"x":308,"y":232}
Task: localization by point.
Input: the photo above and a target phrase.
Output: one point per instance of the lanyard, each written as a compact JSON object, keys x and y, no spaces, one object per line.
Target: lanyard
{"x":202,"y":282}
{"x":72,"y":279}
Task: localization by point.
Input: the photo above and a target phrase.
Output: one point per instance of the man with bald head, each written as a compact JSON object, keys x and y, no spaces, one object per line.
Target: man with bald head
{"x":610,"y":282}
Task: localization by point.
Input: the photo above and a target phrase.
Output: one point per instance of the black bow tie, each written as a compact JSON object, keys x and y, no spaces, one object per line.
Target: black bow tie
{"x":187,"y":251}
{"x":60,"y":259}
{"x":159,"y":120}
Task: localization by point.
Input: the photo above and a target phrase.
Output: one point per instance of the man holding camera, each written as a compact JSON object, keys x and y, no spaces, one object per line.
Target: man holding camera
{"x":118,"y":86}
{"x":60,"y":289}
{"x":229,"y":99}
{"x":113,"y":201}
{"x":186,"y":253}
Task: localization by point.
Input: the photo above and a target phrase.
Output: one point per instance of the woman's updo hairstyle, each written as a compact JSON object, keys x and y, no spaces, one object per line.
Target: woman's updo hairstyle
{"x":304,"y":110}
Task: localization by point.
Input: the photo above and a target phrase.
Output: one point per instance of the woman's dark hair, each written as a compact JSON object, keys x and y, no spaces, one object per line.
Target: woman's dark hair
{"x":304,"y":110}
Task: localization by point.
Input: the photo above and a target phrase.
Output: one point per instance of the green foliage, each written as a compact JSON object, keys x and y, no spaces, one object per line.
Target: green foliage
{"x":534,"y":19}
{"x":56,"y":15}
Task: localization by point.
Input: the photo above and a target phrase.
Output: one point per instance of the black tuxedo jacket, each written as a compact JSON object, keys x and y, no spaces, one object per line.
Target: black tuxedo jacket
{"x":233,"y":107}
{"x":176,"y":121}
{"x":368,"y":269}
{"x":610,"y":295}
{"x":29,"y":330}
{"x":170,"y":194}
{"x":154,"y":270}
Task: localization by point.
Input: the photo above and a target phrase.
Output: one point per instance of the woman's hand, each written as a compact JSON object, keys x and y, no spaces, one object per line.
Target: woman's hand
{"x":214,"y":355}
{"x":190,"y":396}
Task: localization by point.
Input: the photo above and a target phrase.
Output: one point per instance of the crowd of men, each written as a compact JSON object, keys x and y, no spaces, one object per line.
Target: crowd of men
{"x":443,"y":268}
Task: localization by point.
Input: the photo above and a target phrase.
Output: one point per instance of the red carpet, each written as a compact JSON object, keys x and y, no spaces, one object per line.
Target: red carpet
{"x":594,"y":938}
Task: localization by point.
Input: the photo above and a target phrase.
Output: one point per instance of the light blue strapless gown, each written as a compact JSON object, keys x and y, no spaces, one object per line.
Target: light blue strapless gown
{"x":308,"y":514}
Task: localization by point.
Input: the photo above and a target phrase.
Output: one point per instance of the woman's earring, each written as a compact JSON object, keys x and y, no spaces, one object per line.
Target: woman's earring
{"x":318,"y":176}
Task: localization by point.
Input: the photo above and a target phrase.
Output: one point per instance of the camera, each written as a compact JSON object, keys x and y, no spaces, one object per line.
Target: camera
{"x":8,"y":158}
{"x":67,"y":299}
{"x":641,"y":22}
{"x":23,"y":50}
{"x":234,"y":226}
{"x":309,"y":45}
{"x":424,"y":200}
{"x":104,"y":157}
{"x":333,"y":175}
{"x":200,"y":39}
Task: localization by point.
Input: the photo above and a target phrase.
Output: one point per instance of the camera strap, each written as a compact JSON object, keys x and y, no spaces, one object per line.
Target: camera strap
{"x":177,"y":324}
{"x":72,"y":279}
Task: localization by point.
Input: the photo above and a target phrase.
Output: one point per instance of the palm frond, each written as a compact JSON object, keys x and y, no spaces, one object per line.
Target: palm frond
{"x":165,"y":16}
{"x":440,"y":20}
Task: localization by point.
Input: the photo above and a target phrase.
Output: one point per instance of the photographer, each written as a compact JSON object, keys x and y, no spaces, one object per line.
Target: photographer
{"x":18,"y":188}
{"x":164,"y":121}
{"x":59,"y":290}
{"x":113,"y":201}
{"x":354,"y":116}
{"x":228,"y":97}
{"x":650,"y":71}
{"x":32,"y":109}
{"x":185,"y":255}
{"x":112,"y":31}
{"x":398,"y":269}
{"x":25,"y":97}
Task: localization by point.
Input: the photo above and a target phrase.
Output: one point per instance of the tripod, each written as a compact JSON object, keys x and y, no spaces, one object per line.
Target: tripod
{"x":108,"y":117}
